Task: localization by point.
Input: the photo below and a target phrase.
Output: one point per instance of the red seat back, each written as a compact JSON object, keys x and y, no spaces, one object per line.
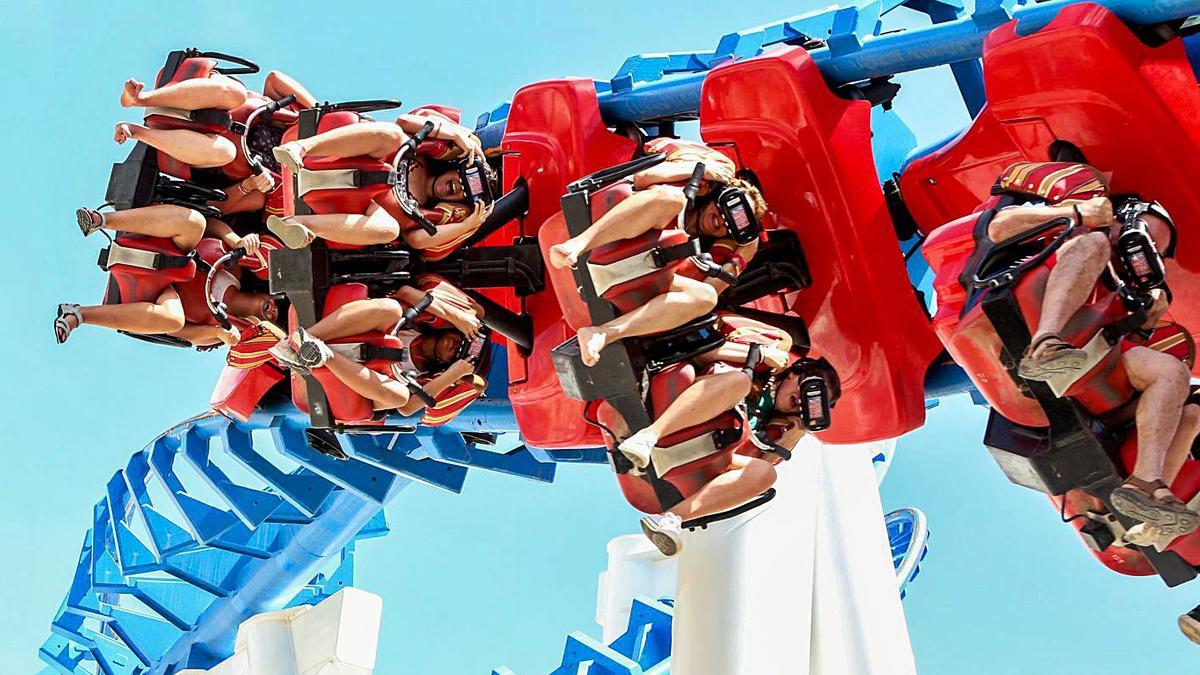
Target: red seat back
{"x":127,"y":283}
{"x":1131,"y":112}
{"x":665,"y":387}
{"x":811,"y":152}
{"x":346,"y":406}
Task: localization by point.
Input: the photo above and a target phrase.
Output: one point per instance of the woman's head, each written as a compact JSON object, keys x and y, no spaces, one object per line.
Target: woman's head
{"x":437,"y":349}
{"x":448,"y":184}
{"x":709,"y":220}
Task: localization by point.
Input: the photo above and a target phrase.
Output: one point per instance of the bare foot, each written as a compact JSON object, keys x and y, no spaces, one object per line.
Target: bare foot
{"x":565,"y":255}
{"x":131,"y":95}
{"x":290,"y":155}
{"x":592,"y":341}
{"x":125,"y":131}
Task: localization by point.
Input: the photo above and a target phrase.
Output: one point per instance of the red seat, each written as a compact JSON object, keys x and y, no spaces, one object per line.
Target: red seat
{"x":1131,"y":113}
{"x":345,"y":198}
{"x":134,"y":279}
{"x":346,"y":406}
{"x":166,"y":118}
{"x":686,"y":460}
{"x":554,"y":134}
{"x":810,"y":150}
{"x":637,"y":280}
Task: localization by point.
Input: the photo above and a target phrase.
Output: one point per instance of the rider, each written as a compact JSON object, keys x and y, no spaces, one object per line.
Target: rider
{"x":1041,"y":193}
{"x":382,"y":222}
{"x":431,"y":358}
{"x":217,"y":91}
{"x":727,"y":383}
{"x":658,"y":202}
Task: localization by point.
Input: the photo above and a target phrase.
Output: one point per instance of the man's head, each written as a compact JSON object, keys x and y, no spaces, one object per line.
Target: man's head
{"x":808,"y":388}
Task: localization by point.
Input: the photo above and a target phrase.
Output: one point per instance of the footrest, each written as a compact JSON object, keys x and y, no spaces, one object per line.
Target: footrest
{"x":612,"y":377}
{"x":704,"y":521}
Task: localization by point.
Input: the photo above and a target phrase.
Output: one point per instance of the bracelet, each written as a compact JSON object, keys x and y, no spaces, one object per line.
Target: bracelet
{"x":738,"y":262}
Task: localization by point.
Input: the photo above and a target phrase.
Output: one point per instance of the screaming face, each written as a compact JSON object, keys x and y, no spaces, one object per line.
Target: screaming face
{"x":448,"y":187}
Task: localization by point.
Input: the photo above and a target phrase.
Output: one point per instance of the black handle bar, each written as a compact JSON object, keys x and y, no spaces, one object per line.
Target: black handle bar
{"x":605,"y":177}
{"x":370,"y":105}
{"x":246,"y":66}
{"x":217,"y":307}
{"x":400,"y":189}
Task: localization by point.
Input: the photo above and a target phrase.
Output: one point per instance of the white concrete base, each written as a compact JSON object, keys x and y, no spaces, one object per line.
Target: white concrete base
{"x":337,"y":637}
{"x":804,"y":585}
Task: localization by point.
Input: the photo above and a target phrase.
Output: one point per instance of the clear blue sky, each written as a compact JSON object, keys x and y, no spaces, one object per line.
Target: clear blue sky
{"x":500,"y":574}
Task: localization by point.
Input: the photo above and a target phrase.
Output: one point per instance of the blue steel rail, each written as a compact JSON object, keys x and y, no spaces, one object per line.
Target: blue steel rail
{"x":167,"y":573}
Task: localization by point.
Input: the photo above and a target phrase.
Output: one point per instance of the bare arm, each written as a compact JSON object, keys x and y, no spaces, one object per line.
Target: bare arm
{"x":277,"y":85}
{"x":201,"y":336}
{"x":1008,"y":223}
{"x":747,"y":252}
{"x":437,"y":385}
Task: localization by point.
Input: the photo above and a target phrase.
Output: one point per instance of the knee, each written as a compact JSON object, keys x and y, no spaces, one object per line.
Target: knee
{"x":1190,"y":419}
{"x":1092,"y":247}
{"x":761,"y":474}
{"x":231,"y":93}
{"x":666,"y":197}
{"x":702,"y":296}
{"x":389,"y":136}
{"x":388,"y":310}
{"x":737,"y":384}
{"x":224,"y":151}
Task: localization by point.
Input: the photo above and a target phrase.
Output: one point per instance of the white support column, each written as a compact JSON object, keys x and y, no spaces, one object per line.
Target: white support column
{"x":337,"y":637}
{"x":804,"y":585}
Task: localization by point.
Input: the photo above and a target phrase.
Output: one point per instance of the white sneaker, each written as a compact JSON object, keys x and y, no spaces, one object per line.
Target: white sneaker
{"x":313,"y":352}
{"x":637,"y":448}
{"x":665,"y":532}
{"x":288,"y":357}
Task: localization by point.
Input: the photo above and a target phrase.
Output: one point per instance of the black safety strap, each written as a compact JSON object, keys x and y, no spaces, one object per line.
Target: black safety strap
{"x":364,"y":178}
{"x":668,"y":254}
{"x":705,"y":263}
{"x":372,"y":352}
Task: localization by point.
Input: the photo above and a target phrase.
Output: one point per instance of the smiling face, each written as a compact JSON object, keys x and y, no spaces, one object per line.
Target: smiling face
{"x":787,"y":395}
{"x":710,"y":222}
{"x":448,"y":187}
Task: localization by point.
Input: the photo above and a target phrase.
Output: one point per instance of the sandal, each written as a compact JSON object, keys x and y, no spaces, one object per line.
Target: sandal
{"x":1169,"y":515}
{"x":1058,"y":358}
{"x":291,"y":232}
{"x":288,"y":155}
{"x":62,"y":327}
{"x":89,"y":220}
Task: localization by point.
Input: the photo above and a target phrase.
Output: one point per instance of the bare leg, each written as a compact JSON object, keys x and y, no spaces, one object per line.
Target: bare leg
{"x":278,"y":85}
{"x":164,"y":315}
{"x":376,"y":139}
{"x":1163,"y":381}
{"x":705,"y":399}
{"x":640,"y":213}
{"x":183,"y":226}
{"x":376,"y":226}
{"x":1079,"y":264}
{"x":190,"y":147}
{"x":747,"y":478}
{"x":1181,"y":445}
{"x":360,"y":316}
{"x":685,"y":300}
{"x":218,"y":91}
{"x":383,"y":391}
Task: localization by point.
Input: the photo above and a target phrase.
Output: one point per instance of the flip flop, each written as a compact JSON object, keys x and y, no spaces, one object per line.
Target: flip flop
{"x":62,"y":327}
{"x":1135,"y":499}
{"x":1059,"y":357}
{"x":1189,"y":624}
{"x":292,"y":233}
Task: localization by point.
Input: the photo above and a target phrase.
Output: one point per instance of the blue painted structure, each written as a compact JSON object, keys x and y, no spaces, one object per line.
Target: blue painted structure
{"x":164,"y":579}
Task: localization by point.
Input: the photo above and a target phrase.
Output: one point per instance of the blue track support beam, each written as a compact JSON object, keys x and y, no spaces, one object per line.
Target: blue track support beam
{"x":270,"y":584}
